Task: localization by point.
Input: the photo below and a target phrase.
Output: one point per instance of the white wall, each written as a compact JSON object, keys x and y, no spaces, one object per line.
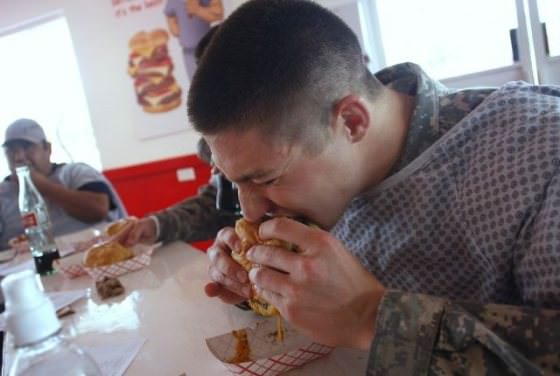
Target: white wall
{"x":100,"y":41}
{"x":109,"y":92}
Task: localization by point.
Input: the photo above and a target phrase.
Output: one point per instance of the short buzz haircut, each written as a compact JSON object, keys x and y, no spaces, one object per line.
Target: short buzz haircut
{"x":280,"y":65}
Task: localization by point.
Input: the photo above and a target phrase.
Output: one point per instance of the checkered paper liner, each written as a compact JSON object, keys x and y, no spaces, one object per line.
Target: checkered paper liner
{"x":142,"y":258}
{"x":268,"y":357}
{"x":70,"y":271}
{"x":72,"y":266}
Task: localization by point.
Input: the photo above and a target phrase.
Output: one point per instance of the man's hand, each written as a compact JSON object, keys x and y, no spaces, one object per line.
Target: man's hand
{"x":139,"y":231}
{"x":173,"y":26}
{"x":84,"y":205}
{"x":229,"y":280}
{"x":192,"y":7}
{"x":40,"y":180}
{"x":323,"y":291}
{"x":213,"y":12}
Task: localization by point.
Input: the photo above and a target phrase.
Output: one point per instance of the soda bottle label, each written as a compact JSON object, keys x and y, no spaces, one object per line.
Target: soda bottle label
{"x":29,"y":220}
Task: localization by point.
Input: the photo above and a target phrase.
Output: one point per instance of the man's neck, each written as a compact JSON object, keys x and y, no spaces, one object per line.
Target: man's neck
{"x":391,"y":116}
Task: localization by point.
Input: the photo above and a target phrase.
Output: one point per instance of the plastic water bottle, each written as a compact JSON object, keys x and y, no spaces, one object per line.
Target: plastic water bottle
{"x":31,"y":319}
{"x":36,"y":222}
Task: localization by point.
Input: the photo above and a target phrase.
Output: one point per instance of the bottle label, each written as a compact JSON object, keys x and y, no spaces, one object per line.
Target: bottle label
{"x":29,"y":220}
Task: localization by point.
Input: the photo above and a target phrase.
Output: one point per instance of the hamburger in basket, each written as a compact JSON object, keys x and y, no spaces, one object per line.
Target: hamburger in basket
{"x":265,"y":348}
{"x":248,"y":233}
{"x":106,"y":256}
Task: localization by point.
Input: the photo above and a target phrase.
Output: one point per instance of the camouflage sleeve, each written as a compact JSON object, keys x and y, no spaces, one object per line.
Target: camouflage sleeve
{"x":424,"y":335}
{"x":193,"y":219}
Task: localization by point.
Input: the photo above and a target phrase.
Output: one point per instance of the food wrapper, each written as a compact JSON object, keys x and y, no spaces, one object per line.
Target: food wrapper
{"x":73,"y":267}
{"x":267,"y":355}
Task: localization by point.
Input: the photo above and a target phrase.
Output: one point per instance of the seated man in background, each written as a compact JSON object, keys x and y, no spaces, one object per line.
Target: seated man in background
{"x":77,"y":195}
{"x":196,"y":218}
{"x":439,"y":209}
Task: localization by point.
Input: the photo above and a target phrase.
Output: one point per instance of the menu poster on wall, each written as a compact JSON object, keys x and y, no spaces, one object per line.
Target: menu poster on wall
{"x":158,"y":39}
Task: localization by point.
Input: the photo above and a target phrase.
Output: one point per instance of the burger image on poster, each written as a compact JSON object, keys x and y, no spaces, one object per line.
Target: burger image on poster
{"x":151,"y":68}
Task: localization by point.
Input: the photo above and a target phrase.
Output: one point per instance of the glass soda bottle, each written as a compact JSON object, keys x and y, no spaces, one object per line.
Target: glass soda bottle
{"x":36,"y":222}
{"x":31,"y":320}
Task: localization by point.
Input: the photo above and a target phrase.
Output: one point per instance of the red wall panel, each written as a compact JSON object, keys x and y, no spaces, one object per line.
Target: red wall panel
{"x":149,"y":187}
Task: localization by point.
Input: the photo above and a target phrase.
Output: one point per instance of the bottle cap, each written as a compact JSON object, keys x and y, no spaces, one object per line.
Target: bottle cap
{"x":30,"y":315}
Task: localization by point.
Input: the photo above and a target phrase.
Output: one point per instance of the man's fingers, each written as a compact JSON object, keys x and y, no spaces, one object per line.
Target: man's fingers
{"x":228,"y":282}
{"x":213,"y":290}
{"x":226,"y":265}
{"x":134,"y":233}
{"x":273,"y":298}
{"x":274,"y":257}
{"x":292,"y":231}
{"x":126,"y":235}
{"x":272,"y":280}
{"x":227,"y":239}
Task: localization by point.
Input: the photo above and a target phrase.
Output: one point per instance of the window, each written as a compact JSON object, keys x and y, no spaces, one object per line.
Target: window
{"x":447,"y":38}
{"x":549,"y":12}
{"x":41,"y":81}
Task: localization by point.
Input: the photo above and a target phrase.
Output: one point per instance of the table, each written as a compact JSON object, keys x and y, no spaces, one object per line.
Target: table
{"x":166,"y":304}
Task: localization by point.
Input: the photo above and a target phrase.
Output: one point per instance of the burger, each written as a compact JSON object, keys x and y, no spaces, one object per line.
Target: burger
{"x":248,"y":233}
{"x":115,"y":227}
{"x":151,"y":68}
{"x":106,"y":254}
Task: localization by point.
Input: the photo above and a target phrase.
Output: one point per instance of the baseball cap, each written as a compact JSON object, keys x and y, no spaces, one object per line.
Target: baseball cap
{"x":24,"y":129}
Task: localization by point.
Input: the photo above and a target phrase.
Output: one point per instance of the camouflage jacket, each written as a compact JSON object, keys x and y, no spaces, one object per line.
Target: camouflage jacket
{"x":423,"y":335}
{"x":193,"y":219}
{"x":464,"y":233}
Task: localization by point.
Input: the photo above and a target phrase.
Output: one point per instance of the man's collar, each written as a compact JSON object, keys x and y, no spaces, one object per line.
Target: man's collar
{"x":423,"y":130}
{"x":437,"y":107}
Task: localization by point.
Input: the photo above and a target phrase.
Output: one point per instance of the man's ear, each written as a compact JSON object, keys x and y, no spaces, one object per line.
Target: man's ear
{"x":352,"y":114}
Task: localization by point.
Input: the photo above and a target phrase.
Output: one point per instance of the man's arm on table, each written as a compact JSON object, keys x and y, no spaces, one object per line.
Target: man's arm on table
{"x":193,"y":219}
{"x":83,"y":204}
{"x":424,"y":335}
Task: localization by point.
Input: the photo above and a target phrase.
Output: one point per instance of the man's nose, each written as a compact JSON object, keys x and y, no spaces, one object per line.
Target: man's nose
{"x":254,"y":204}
